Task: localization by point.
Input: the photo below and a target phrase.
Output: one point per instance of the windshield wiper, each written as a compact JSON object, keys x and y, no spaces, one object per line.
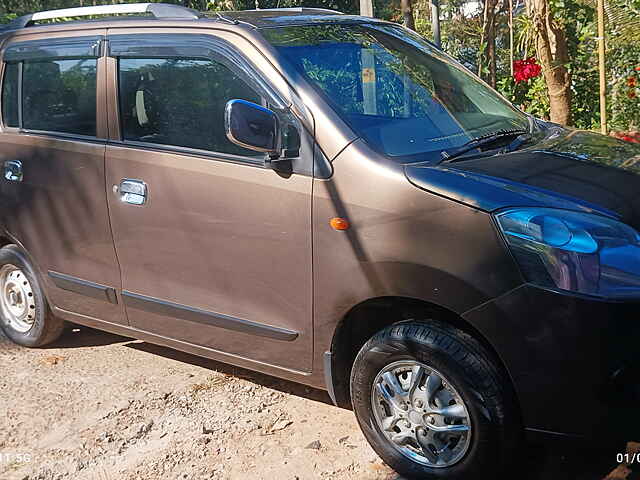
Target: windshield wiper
{"x":483,"y":141}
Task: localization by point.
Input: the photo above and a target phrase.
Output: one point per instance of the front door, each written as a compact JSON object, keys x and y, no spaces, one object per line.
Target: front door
{"x":215,"y":248}
{"x":52,"y":191}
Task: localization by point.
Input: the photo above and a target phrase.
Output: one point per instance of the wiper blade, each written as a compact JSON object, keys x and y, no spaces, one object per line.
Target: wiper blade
{"x":482,"y":141}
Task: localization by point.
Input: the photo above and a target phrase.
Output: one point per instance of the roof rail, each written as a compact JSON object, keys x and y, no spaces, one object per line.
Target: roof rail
{"x":158,"y":10}
{"x":295,"y":9}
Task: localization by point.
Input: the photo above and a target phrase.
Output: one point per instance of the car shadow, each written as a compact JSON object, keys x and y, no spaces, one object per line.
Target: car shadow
{"x":73,"y":337}
{"x":536,"y":462}
{"x":576,"y":463}
{"x":77,"y":336}
{"x":284,"y":386}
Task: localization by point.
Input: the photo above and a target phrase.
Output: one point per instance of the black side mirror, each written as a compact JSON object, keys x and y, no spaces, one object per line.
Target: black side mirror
{"x":252,"y":126}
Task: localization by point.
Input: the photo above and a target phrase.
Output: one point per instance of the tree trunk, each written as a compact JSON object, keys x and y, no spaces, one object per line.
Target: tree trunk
{"x":407,"y":14}
{"x":553,"y":55}
{"x":511,"y":36}
{"x":488,"y":41}
{"x":491,"y":54}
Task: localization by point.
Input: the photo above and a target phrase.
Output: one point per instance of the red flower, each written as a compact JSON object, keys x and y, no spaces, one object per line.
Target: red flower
{"x":633,"y":137}
{"x":524,"y":70}
{"x":638,"y":68}
{"x":631,"y":94}
{"x":631,"y":81}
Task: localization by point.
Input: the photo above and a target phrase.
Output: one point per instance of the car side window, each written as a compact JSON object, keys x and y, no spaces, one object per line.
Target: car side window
{"x":49,"y":84}
{"x":180,"y":102}
{"x":10,"y":95}
{"x":57,"y":95}
{"x":60,"y":95}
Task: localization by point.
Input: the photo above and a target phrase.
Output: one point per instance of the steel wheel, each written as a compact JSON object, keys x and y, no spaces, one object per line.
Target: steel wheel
{"x":16,"y":299}
{"x":421,"y":414}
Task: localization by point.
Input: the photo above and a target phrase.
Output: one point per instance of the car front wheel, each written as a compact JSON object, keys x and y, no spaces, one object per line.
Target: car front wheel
{"x":433,"y":404}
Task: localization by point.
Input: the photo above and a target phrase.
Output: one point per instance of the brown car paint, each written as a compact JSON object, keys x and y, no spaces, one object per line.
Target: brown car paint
{"x":58,"y":213}
{"x":283,"y":265}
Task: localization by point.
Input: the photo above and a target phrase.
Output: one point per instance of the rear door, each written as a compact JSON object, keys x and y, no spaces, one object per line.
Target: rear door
{"x":215,"y":247}
{"x":52,"y":146}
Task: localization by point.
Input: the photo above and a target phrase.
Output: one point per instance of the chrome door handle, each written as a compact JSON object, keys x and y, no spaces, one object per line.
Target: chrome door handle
{"x":132,"y":191}
{"x":13,"y":170}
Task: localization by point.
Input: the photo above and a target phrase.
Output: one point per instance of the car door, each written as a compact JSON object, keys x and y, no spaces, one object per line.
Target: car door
{"x":214,"y":246}
{"x":52,"y":147}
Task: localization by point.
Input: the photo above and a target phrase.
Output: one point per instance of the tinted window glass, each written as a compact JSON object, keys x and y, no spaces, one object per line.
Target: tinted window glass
{"x":60,"y":96}
{"x":10,"y":94}
{"x":180,"y":102}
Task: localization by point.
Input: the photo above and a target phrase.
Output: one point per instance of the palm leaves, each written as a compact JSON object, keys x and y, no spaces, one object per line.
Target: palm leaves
{"x":622,"y":19}
{"x":526,"y":36}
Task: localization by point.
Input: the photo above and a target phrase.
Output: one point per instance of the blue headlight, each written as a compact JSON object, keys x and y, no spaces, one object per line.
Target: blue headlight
{"x":574,"y":251}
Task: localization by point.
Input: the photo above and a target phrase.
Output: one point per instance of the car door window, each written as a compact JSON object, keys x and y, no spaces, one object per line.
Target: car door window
{"x":60,"y":95}
{"x":10,"y":95}
{"x":180,"y":102}
{"x":49,"y":85}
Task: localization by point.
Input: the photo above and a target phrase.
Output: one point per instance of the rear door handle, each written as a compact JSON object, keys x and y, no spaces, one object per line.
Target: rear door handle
{"x":13,"y":170}
{"x":132,"y":191}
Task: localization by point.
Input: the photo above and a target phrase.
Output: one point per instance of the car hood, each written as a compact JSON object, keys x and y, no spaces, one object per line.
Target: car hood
{"x":570,"y":169}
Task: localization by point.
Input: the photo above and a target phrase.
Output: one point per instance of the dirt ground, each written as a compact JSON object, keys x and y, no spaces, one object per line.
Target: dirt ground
{"x":98,"y":406}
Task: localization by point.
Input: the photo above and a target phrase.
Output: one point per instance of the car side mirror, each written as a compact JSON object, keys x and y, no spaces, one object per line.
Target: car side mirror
{"x":252,"y":126}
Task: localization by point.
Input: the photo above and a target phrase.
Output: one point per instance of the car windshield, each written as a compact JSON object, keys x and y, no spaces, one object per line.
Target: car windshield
{"x":402,"y":95}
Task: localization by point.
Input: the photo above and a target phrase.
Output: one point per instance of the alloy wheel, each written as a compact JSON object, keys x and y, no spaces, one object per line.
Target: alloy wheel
{"x":421,"y":414}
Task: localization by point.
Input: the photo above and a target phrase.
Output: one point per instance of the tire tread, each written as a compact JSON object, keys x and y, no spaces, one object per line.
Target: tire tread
{"x":485,"y":378}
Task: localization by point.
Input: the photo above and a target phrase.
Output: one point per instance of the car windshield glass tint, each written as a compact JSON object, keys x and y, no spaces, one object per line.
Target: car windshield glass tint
{"x":405,"y":97}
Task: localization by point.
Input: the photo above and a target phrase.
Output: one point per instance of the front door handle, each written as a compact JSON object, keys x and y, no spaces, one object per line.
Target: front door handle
{"x":13,"y":170}
{"x":132,"y":191}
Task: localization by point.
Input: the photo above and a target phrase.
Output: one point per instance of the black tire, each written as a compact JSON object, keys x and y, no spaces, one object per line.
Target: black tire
{"x":495,"y":423}
{"x":46,"y":328}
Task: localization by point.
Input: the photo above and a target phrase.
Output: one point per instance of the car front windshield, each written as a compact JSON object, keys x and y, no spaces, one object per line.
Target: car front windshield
{"x":402,"y":95}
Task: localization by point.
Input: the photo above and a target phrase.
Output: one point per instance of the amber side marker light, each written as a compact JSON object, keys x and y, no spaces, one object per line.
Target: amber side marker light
{"x":338,"y":223}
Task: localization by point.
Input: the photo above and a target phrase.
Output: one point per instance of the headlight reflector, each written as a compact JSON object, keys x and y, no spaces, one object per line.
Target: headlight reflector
{"x":574,"y":251}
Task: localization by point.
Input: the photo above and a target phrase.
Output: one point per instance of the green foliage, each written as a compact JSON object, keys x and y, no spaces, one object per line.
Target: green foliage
{"x":580,"y":23}
{"x":525,"y":36}
{"x":537,"y":98}
{"x":530,"y":96}
{"x":579,"y":20}
{"x":624,"y":94}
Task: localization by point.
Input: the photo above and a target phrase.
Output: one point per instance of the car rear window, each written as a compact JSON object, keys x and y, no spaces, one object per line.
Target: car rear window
{"x":10,"y":95}
{"x":60,"y":95}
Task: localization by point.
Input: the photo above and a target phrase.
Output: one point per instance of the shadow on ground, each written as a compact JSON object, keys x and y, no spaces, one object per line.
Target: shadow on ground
{"x":537,"y":462}
{"x":284,"y":386}
{"x":76,"y":336}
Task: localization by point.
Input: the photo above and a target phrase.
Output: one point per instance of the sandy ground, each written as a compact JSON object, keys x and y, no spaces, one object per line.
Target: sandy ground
{"x":98,"y":406}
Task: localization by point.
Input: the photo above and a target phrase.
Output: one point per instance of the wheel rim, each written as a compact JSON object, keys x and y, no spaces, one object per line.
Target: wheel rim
{"x":421,"y":414}
{"x":17,"y":299}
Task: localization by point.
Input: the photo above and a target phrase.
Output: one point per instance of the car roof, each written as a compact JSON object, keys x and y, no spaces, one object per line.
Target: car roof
{"x":291,"y":16}
{"x":263,"y":18}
